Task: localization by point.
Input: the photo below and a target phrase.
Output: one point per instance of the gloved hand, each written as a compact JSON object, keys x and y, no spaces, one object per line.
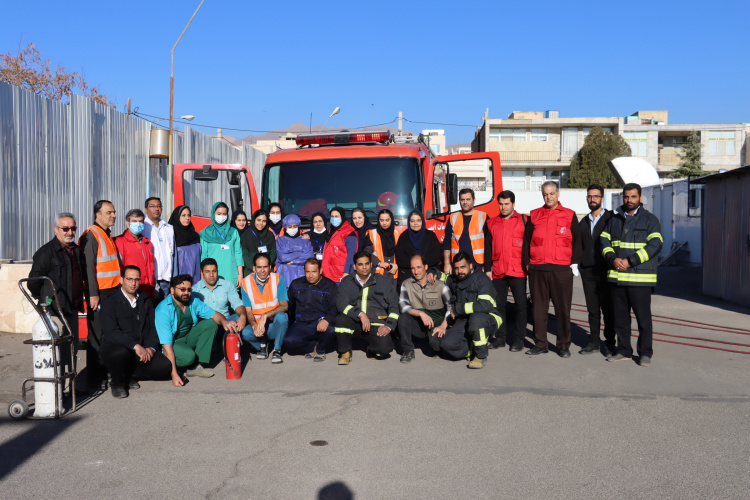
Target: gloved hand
{"x":574,"y":267}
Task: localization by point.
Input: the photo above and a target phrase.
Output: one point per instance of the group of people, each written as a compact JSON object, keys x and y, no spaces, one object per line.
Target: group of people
{"x":161,"y":295}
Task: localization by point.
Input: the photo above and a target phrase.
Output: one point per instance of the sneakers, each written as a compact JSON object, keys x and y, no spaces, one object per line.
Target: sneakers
{"x":119,"y":391}
{"x":407,"y":357}
{"x":262,"y":352}
{"x":319,"y":358}
{"x":133,"y":385}
{"x":645,"y":361}
{"x":477,"y":363}
{"x":517,"y":347}
{"x":345,"y":358}
{"x":276,"y":357}
{"x":589,"y":349}
{"x":618,"y":357}
{"x":536,"y":350}
{"x":199,"y":371}
{"x":564,"y":353}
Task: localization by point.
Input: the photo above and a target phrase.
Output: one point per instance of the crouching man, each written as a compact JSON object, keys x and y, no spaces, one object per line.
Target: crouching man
{"x":130,"y":347}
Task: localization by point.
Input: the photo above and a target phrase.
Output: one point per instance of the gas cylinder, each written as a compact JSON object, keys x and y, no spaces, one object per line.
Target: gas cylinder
{"x":44,"y":367}
{"x":232,"y":356}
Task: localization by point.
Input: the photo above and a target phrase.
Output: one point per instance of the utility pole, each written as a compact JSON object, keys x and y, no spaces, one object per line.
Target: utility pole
{"x":400,"y":121}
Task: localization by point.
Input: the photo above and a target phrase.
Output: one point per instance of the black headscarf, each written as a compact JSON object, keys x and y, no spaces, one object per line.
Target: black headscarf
{"x":361,"y":231}
{"x":278,"y":226}
{"x":259,"y":237}
{"x":318,"y":240}
{"x":387,"y":236}
{"x":333,"y":229}
{"x":416,"y":237}
{"x":183,"y":235}
{"x":234,"y":217}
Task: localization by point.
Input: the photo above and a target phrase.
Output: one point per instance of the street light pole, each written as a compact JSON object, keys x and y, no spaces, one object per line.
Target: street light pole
{"x":171,"y":107}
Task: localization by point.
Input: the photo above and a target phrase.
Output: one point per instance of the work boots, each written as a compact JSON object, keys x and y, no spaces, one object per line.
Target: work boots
{"x":345,"y":358}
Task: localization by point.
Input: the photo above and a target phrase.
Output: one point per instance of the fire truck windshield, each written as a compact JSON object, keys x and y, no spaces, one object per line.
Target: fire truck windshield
{"x":317,"y":186}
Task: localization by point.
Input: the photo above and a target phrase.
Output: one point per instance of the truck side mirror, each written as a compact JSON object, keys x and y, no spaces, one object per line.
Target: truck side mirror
{"x":206,"y":174}
{"x":429,"y":214}
{"x":235,"y":199}
{"x":452,"y":189}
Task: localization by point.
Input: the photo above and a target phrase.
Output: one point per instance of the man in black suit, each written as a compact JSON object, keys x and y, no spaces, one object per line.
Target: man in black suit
{"x":130,"y":346}
{"x":594,"y":273}
{"x":61,"y":260}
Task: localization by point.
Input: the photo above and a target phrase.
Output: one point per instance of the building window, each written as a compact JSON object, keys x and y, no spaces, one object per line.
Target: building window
{"x":720,"y":143}
{"x":513,"y":135}
{"x":539,"y":135}
{"x":536,"y":180}
{"x":570,"y":140}
{"x":637,"y":141}
{"x":514,"y":180}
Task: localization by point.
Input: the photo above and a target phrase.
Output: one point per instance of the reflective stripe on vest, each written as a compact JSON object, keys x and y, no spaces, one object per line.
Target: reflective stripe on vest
{"x":107,"y":263}
{"x":262,"y":302}
{"x":377,"y":249}
{"x":476,"y":233}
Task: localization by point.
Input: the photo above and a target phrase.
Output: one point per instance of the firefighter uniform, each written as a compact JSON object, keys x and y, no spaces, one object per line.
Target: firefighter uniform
{"x":636,"y":238}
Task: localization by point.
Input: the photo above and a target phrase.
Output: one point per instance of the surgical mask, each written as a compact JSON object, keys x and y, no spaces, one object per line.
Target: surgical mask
{"x":275,"y":218}
{"x":221,"y":219}
{"x":319,"y":231}
{"x":335,"y":221}
{"x":292,"y":231}
{"x":136,"y":227}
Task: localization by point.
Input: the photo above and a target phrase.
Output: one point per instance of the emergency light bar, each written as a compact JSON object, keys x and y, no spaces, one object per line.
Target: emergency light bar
{"x":342,"y":138}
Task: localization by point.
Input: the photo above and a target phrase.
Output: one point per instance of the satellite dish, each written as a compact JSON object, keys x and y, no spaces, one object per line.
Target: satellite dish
{"x":629,"y":169}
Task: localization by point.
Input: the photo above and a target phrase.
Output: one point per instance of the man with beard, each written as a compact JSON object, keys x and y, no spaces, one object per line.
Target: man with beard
{"x":631,"y":243}
{"x":474,"y":316}
{"x":594,"y":273}
{"x":186,"y":328}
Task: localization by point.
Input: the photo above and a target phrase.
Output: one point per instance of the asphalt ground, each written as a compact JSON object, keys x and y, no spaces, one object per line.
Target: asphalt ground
{"x":522,"y":427}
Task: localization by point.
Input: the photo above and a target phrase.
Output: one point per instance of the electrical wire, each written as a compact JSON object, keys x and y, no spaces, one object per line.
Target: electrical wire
{"x":443,"y":124}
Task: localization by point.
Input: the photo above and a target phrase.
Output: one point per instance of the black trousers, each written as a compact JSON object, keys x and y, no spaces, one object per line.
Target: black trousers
{"x":637,"y":298}
{"x":477,"y":328}
{"x":94,"y":370}
{"x":596,"y":289}
{"x":347,"y":329}
{"x":410,"y":327}
{"x":558,"y":286}
{"x":518,"y":289}
{"x":124,"y":364}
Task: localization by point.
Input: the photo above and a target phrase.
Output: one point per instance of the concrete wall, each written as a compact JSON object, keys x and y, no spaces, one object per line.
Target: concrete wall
{"x":16,"y":314}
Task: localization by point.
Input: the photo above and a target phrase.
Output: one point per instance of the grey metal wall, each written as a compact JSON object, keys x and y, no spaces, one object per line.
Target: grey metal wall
{"x":58,"y":157}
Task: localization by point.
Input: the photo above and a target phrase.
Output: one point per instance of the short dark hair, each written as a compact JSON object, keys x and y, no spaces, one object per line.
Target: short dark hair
{"x":149,"y":200}
{"x":136,"y":212}
{"x":361,"y":254}
{"x":421,"y":257}
{"x":598,"y":187}
{"x":264,"y":255}
{"x":209,"y":261}
{"x":507,"y":195}
{"x":467,"y":191}
{"x":462,"y":256}
{"x":130,"y":268}
{"x":180,"y":278}
{"x":631,"y":186}
{"x":312,"y":260}
{"x":99,"y":204}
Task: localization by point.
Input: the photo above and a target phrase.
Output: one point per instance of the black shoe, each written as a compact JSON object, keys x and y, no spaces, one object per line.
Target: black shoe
{"x":103,"y":384}
{"x":133,"y":385}
{"x":119,"y":391}
{"x":516,"y":347}
{"x":564,"y":353}
{"x":407,"y":357}
{"x":610,"y":351}
{"x":497,"y":343}
{"x":536,"y":350}
{"x":589,"y":349}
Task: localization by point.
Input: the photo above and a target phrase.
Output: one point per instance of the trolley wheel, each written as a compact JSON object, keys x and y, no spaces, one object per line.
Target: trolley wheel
{"x":18,"y":409}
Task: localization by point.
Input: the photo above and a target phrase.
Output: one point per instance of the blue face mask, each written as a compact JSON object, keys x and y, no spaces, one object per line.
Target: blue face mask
{"x":136,"y":227}
{"x":335,"y":221}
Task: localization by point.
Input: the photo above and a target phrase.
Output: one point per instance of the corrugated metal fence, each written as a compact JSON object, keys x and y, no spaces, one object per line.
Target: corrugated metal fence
{"x":57,"y":157}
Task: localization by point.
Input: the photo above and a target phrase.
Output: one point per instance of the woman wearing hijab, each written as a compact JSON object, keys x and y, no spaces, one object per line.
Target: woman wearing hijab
{"x":239,"y":221}
{"x":341,"y":247}
{"x":383,"y":241}
{"x":417,"y":239}
{"x":221,"y":241}
{"x":187,"y":258}
{"x":361,"y":224}
{"x":292,"y":251}
{"x":257,"y":239}
{"x":317,"y":235}
{"x":275,"y":216}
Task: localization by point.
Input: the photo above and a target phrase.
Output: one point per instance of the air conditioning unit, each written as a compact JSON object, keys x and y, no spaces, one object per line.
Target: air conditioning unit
{"x":632,"y":120}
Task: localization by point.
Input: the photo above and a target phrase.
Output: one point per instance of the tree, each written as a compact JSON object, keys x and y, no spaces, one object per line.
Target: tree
{"x":590,"y":164}
{"x":28,"y":70}
{"x":690,"y":158}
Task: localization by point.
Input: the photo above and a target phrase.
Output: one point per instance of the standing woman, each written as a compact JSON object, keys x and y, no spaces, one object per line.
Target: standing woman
{"x":275,"y":224}
{"x":221,"y":241}
{"x":187,"y":257}
{"x":318,"y":235}
{"x":341,"y":247}
{"x":257,"y":239}
{"x":383,"y":241}
{"x":239,"y":221}
{"x":362,"y":225}
{"x":292,"y":251}
{"x":417,"y":240}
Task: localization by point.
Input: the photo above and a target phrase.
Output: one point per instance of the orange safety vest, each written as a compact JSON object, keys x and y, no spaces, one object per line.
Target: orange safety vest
{"x":265,"y":301}
{"x":476,"y":233}
{"x":378,"y":249}
{"x":107,"y":261}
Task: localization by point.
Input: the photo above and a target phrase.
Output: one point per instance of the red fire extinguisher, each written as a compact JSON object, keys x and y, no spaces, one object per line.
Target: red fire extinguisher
{"x":232,"y":355}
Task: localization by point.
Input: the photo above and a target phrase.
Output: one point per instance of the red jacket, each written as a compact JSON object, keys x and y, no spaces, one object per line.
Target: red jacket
{"x":551,"y":241}
{"x":140,"y":254}
{"x":507,"y":245}
{"x":335,"y":253}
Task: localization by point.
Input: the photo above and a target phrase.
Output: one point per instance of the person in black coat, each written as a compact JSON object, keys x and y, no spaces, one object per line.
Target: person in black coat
{"x":130,"y":345}
{"x":62,"y":261}
{"x":417,"y":239}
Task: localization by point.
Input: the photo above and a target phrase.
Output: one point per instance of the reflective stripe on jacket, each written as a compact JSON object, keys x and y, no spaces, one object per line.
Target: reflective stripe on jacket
{"x":377,"y":249}
{"x":107,"y":262}
{"x":262,"y":301}
{"x":476,"y":233}
{"x":636,"y":238}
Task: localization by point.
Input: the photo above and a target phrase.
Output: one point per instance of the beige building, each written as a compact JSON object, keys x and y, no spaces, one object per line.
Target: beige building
{"x":538,"y":146}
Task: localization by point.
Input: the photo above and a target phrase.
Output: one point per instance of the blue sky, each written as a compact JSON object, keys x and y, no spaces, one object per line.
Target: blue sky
{"x":266,"y":65}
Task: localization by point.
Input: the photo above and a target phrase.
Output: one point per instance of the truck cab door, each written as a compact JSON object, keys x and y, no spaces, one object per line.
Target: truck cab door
{"x":480,"y":172}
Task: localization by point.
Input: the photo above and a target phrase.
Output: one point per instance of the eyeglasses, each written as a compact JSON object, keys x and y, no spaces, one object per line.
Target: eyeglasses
{"x":593,"y":197}
{"x":133,"y":280}
{"x":68,"y":229}
{"x":154,"y":206}
{"x":183,"y":290}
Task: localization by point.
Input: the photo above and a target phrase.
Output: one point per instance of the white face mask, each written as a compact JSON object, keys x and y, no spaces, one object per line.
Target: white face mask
{"x":275,"y":218}
{"x":319,"y":231}
{"x":220,"y":219}
{"x":292,"y":231}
